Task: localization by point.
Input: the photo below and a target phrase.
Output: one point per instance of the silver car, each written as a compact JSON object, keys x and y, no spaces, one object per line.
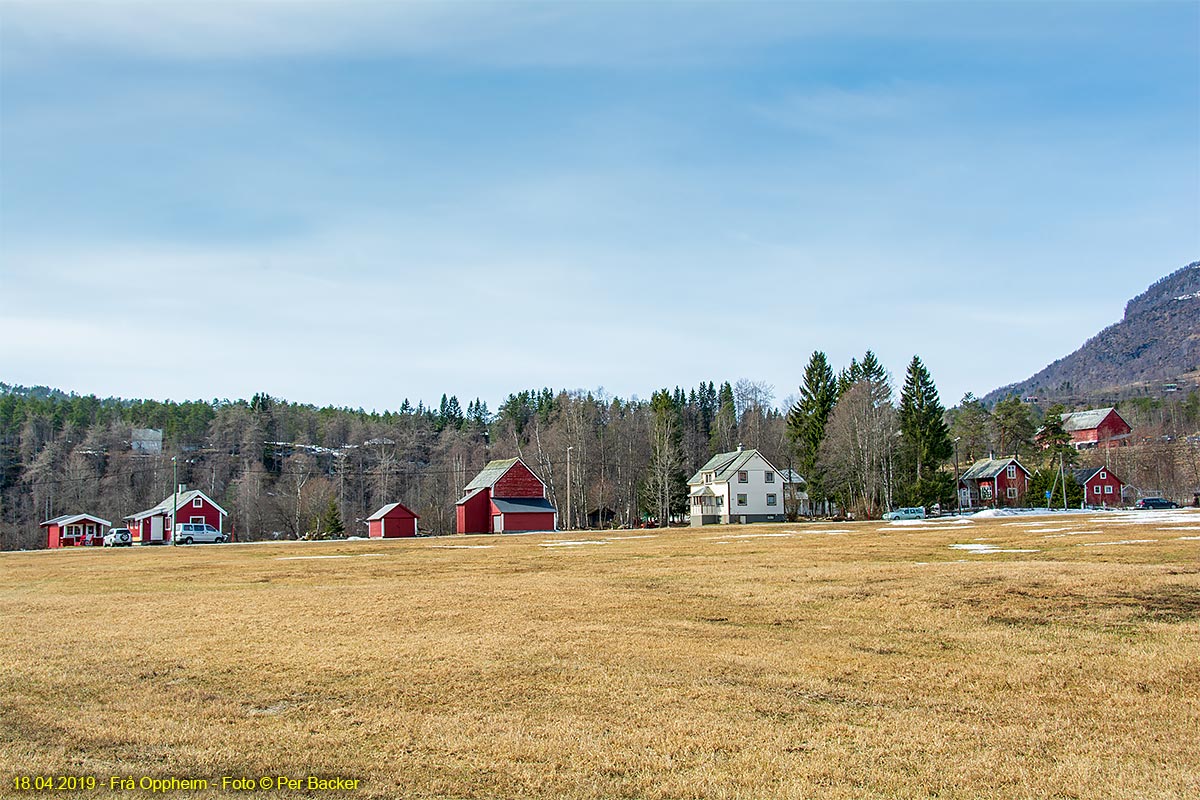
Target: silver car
{"x":194,"y":532}
{"x":118,"y":537}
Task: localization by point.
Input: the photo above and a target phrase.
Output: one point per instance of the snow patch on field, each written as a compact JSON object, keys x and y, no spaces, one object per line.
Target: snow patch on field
{"x":1123,"y":541}
{"x":1189,"y":538}
{"x":953,"y":522}
{"x":986,"y":549}
{"x":461,"y":546}
{"x":621,"y":538}
{"x":784,"y":535}
{"x":825,"y":531}
{"x":578,"y":543}
{"x":307,"y":558}
{"x":1073,"y":533}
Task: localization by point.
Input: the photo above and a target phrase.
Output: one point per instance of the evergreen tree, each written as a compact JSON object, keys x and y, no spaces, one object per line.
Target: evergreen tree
{"x":1014,"y":426}
{"x":1054,"y":439}
{"x":972,"y":425}
{"x":807,"y":419}
{"x":924,"y":437}
{"x":331,"y":522}
{"x":725,"y":421}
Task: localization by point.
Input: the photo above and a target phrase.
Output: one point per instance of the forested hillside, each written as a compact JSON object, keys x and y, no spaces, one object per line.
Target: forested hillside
{"x":275,"y":466}
{"x":1156,"y":343}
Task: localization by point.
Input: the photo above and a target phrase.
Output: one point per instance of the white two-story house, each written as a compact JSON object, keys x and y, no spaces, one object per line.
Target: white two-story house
{"x":738,"y":487}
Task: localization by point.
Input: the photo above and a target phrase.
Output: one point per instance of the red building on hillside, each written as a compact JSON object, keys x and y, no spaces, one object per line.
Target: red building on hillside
{"x":1095,"y":427}
{"x":75,"y":530}
{"x":505,"y":497}
{"x":1101,"y":487}
{"x":994,"y":482}
{"x":153,"y":526}
{"x":393,"y":521}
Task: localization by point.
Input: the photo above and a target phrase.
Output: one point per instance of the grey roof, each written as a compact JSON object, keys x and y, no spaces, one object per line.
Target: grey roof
{"x":726,"y":465}
{"x":470,"y":493}
{"x":520,"y":505}
{"x":990,"y":468}
{"x":383,"y":512}
{"x":68,"y":519}
{"x":1085,"y":420}
{"x":791,"y":476}
{"x":165,"y":506}
{"x":491,"y":473}
{"x":1082,"y":476}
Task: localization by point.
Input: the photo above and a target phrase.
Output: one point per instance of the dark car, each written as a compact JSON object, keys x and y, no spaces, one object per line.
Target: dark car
{"x":1155,"y":502}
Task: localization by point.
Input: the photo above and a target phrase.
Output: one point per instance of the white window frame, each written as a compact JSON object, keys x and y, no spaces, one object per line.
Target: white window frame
{"x":1012,"y":472}
{"x":1012,"y":493}
{"x":1108,"y":489}
{"x":708,"y":477}
{"x":742,"y":500}
{"x":743,"y":476}
{"x":1096,"y":489}
{"x":1103,"y":475}
{"x":197,"y":503}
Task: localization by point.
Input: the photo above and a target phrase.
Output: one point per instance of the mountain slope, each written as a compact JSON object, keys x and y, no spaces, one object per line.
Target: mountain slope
{"x":1156,"y":343}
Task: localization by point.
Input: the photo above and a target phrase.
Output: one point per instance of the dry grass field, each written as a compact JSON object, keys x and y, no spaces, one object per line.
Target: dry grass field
{"x":1056,"y":657}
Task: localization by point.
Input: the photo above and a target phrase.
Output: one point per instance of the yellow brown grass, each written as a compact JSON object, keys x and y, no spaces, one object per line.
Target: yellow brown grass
{"x":878,"y":662}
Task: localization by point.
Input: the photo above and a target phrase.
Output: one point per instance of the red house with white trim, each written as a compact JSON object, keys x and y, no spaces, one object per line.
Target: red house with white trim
{"x":153,"y":526}
{"x":75,"y":530}
{"x":392,"y":522}
{"x":1101,"y":487}
{"x":994,"y":482}
{"x":505,"y":497}
{"x":1095,"y":427}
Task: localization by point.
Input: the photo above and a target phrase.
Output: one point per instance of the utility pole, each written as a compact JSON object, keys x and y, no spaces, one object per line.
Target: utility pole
{"x":175,"y":495}
{"x":569,"y":449}
{"x":957,"y":491}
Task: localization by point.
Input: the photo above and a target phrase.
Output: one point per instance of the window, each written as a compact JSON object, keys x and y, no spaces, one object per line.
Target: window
{"x":1012,"y":472}
{"x":1096,"y":490}
{"x":197,"y":503}
{"x":1012,"y":493}
{"x":1103,"y":475}
{"x":197,"y":520}
{"x":769,"y":476}
{"x":1108,"y":490}
{"x":743,"y":477}
{"x":770,"y":499}
{"x":708,"y":476}
{"x":741,"y":499}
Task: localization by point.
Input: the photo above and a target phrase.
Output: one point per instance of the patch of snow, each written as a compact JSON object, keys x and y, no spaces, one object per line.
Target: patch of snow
{"x":574,"y":544}
{"x":1191,"y":296}
{"x":956,"y":522}
{"x":307,"y":558}
{"x":1189,"y":538}
{"x":621,"y":538}
{"x":461,"y":546}
{"x":783,"y":535}
{"x":1073,"y":533}
{"x":1123,"y":541}
{"x":985,"y":549}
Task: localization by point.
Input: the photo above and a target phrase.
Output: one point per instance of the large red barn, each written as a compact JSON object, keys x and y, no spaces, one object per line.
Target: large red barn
{"x":1095,"y":427}
{"x":505,"y":497}
{"x":392,"y":521}
{"x":75,"y":530}
{"x":153,"y":526}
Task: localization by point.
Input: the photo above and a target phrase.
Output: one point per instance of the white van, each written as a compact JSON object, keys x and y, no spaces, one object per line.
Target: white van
{"x":190,"y":532}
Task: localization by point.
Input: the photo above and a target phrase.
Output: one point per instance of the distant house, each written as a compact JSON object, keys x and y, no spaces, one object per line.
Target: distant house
{"x":75,"y":530}
{"x":153,"y":526}
{"x":1101,"y":486}
{"x":993,"y":482}
{"x":392,"y":522}
{"x":146,"y":440}
{"x":737,"y":487}
{"x":1095,"y":427}
{"x":505,"y":497}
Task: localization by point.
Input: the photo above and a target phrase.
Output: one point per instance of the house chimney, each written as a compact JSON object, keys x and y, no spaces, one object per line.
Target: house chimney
{"x":182,"y":488}
{"x":739,"y":447}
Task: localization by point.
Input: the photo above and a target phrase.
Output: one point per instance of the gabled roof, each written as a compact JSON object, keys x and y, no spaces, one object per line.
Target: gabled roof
{"x":491,"y":473}
{"x":184,"y":498}
{"x":990,"y":468}
{"x":1086,"y":420}
{"x":726,"y":465}
{"x":1082,"y":476}
{"x":522,"y":505}
{"x":471,"y":493}
{"x":389,"y":508}
{"x":71,"y":519}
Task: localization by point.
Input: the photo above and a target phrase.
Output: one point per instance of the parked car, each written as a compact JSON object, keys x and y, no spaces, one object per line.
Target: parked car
{"x":1155,"y":502}
{"x":193,"y":532}
{"x":906,"y":513}
{"x":118,"y":537}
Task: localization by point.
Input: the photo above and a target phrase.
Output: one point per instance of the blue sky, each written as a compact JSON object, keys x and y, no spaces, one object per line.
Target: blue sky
{"x":357,"y":202}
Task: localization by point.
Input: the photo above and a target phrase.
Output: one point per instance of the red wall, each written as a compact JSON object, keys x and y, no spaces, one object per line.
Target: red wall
{"x":475,"y":515}
{"x":400,"y":522}
{"x":518,"y":482}
{"x":532,"y":521}
{"x":1111,"y":426}
{"x":1102,"y":499}
{"x":53,"y":536}
{"x":211,"y":515}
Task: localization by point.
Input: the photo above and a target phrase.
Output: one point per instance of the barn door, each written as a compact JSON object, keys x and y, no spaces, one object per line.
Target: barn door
{"x":156,"y":529}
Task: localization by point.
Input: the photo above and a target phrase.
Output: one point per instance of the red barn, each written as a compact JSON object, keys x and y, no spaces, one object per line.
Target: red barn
{"x":505,"y":497}
{"x":75,"y":530}
{"x":153,"y":526}
{"x":392,"y":521}
{"x":994,"y":482}
{"x":1101,"y":487}
{"x":1095,"y":427}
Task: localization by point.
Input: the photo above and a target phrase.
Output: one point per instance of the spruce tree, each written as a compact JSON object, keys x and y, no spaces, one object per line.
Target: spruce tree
{"x":924,"y":437}
{"x":807,"y":419}
{"x":331,"y":522}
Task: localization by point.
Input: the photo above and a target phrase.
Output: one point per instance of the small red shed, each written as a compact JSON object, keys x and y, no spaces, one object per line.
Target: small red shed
{"x":994,"y":482}
{"x":392,"y":521}
{"x":1101,"y":486}
{"x":153,"y":526}
{"x":505,"y":497}
{"x":75,"y":530}
{"x":1095,"y":427}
